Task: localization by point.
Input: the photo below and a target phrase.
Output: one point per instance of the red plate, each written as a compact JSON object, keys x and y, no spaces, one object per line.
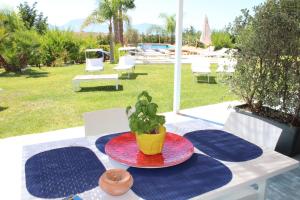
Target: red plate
{"x":124,"y":149}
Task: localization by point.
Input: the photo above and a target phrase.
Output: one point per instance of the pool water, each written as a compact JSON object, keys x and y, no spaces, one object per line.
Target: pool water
{"x":155,"y":46}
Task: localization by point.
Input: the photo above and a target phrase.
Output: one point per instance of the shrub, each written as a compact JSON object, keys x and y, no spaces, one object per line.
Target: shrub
{"x":132,"y":36}
{"x":87,"y":41}
{"x":221,"y":39}
{"x":102,"y":39}
{"x":268,"y":70}
{"x":60,"y":47}
{"x":19,"y":46}
{"x":105,"y":47}
{"x":24,"y":48}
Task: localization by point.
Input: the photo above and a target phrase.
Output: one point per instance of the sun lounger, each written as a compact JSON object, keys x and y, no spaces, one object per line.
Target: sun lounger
{"x":201,"y":67}
{"x":88,"y":78}
{"x":126,"y":63}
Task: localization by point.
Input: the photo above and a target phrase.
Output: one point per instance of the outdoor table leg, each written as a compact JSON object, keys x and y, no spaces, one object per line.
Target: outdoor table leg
{"x":76,"y":85}
{"x":261,"y":190}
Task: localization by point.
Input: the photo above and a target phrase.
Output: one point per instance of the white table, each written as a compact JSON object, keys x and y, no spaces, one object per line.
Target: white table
{"x":88,"y":78}
{"x":245,"y":174}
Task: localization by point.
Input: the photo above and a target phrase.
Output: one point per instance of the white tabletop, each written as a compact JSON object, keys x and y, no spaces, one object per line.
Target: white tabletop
{"x":269,"y":164}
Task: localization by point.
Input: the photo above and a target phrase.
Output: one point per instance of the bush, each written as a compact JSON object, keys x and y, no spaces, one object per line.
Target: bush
{"x":221,"y":39}
{"x":53,"y":48}
{"x":268,"y":70}
{"x":102,"y":39}
{"x":132,"y":36}
{"x":87,"y":41}
{"x":19,"y":46}
{"x":61,"y":47}
{"x":105,"y":47}
{"x":24,"y":48}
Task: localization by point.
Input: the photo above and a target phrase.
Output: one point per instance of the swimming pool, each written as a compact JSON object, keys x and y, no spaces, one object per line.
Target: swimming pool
{"x":155,"y":46}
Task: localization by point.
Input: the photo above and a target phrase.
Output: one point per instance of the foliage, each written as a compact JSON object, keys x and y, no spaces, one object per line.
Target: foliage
{"x":103,"y":39}
{"x":131,"y":36}
{"x":221,"y":39}
{"x":24,"y":49}
{"x":268,"y":70}
{"x":123,"y":6}
{"x":144,"y":119}
{"x":170,"y":25}
{"x":191,"y":37}
{"x":153,"y":38}
{"x":31,"y":19}
{"x":18,"y":46}
{"x":60,"y":47}
{"x":105,"y":12}
{"x":104,"y":47}
{"x":87,"y":41}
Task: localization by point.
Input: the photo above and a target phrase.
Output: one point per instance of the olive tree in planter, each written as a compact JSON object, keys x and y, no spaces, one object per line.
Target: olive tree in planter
{"x":267,"y":75}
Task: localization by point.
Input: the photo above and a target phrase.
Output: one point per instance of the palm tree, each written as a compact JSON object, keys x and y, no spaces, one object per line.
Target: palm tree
{"x":124,"y":6}
{"x":104,"y":14}
{"x":170,"y":24}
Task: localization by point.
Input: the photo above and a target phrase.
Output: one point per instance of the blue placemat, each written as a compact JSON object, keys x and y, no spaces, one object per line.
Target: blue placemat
{"x":101,"y":142}
{"x":194,"y":177}
{"x":224,"y":146}
{"x":62,"y":172}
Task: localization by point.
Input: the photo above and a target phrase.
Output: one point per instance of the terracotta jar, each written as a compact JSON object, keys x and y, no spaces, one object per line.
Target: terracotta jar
{"x":115,"y":181}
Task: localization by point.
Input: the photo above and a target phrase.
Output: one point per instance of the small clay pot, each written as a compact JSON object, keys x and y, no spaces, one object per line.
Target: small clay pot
{"x":115,"y":182}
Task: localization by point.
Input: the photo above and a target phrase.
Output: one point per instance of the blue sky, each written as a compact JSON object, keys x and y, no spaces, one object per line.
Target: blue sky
{"x":219,"y":12}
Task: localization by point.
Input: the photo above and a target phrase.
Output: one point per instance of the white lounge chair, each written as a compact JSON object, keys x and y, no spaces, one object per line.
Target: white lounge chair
{"x":201,"y":67}
{"x":105,"y":121}
{"x":126,"y":63}
{"x":93,"y":64}
{"x":88,"y":78}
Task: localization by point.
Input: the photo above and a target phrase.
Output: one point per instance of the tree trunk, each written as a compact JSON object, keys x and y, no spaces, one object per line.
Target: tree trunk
{"x":116,"y":29}
{"x":121,"y":28}
{"x":7,"y":67}
{"x":111,"y":43}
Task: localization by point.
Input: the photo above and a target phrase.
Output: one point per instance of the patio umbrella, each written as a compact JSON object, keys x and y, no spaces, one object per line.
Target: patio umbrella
{"x":206,"y":33}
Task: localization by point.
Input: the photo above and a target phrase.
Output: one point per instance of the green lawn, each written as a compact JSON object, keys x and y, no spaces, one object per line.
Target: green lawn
{"x":43,"y":100}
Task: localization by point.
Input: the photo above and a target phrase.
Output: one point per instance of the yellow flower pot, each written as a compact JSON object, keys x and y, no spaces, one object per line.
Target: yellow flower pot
{"x":151,"y":144}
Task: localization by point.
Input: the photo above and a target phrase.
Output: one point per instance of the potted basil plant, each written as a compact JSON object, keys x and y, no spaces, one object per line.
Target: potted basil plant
{"x":147,"y":125}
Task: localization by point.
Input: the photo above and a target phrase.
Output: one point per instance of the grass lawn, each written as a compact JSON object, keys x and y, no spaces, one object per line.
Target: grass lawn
{"x":42,"y":99}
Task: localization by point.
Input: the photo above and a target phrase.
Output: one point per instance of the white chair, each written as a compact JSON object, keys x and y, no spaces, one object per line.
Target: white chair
{"x":201,"y":67}
{"x":253,"y":129}
{"x":92,"y":63}
{"x":105,"y":122}
{"x":126,"y":63}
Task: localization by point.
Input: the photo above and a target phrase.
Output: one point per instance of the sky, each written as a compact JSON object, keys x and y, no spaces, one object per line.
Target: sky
{"x":219,"y":12}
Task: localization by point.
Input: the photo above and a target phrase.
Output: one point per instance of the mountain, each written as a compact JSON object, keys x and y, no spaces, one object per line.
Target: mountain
{"x":142,"y":28}
{"x":75,"y":26}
